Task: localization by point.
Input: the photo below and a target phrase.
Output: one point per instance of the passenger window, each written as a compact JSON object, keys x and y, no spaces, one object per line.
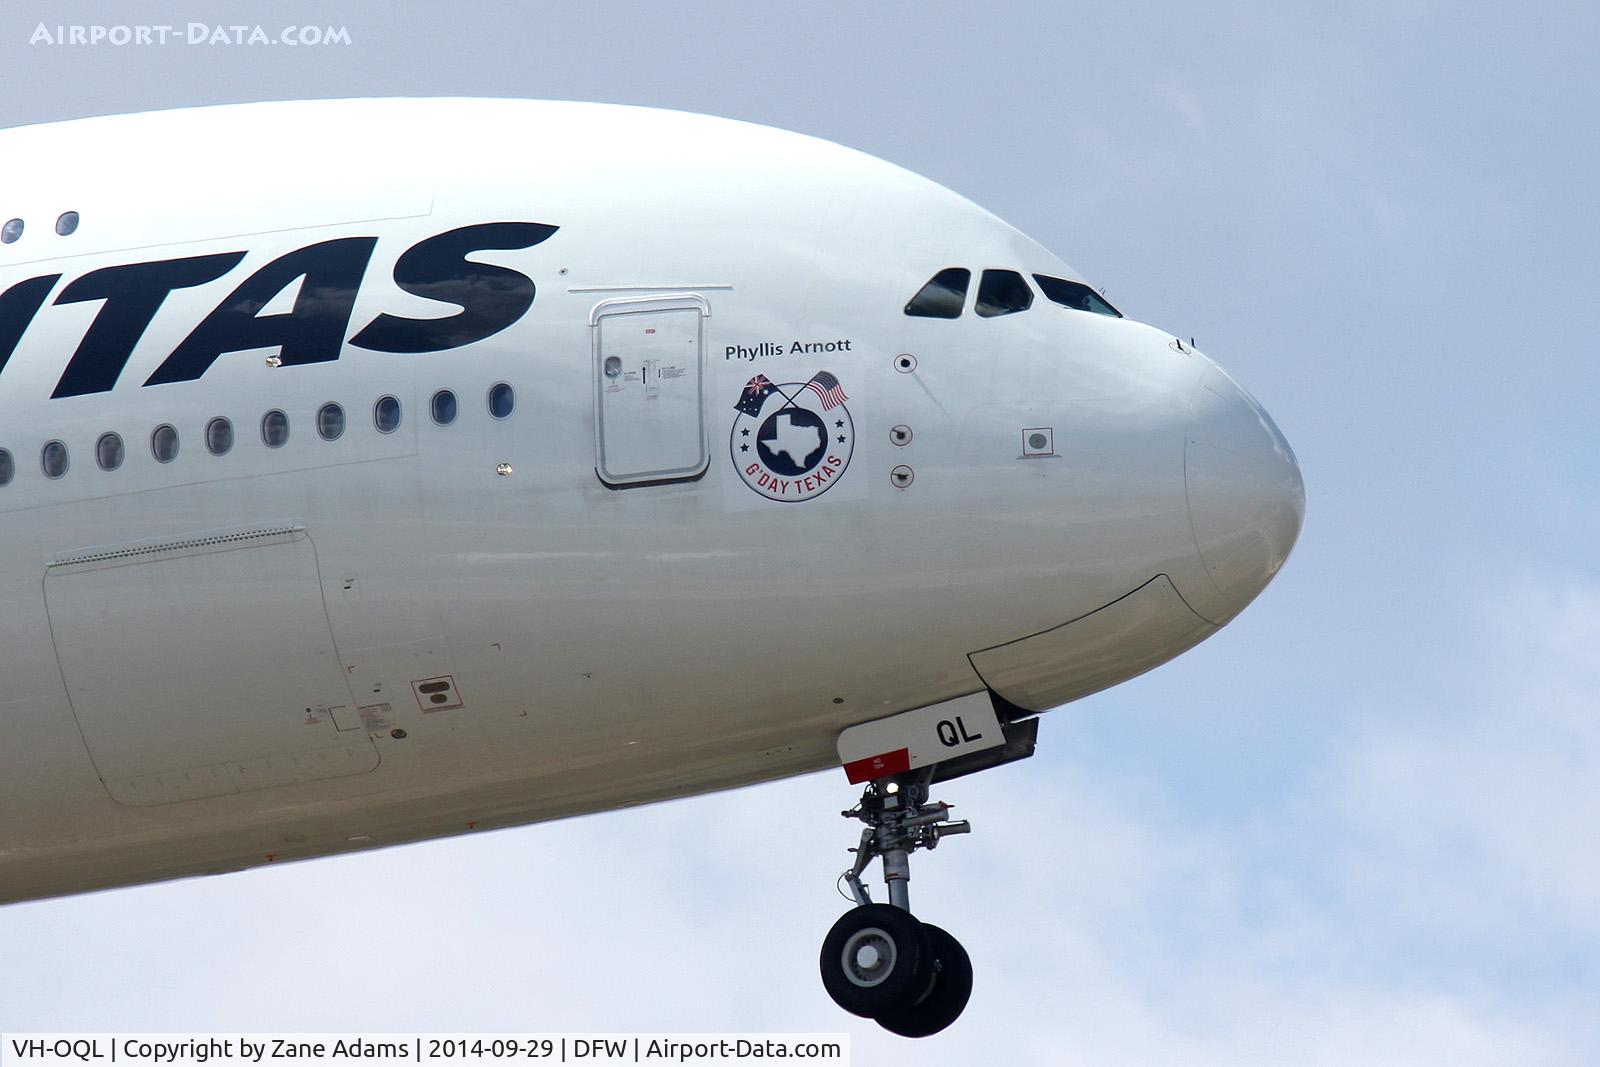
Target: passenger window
{"x":54,"y":460}
{"x":108,"y":451}
{"x":1074,"y":295}
{"x":8,"y":467}
{"x":386,"y":415}
{"x":1003,"y":292}
{"x":274,"y":429}
{"x":943,"y":296}
{"x":164,"y":443}
{"x":330,"y":422}
{"x":502,"y":401}
{"x":443,"y":407}
{"x":67,"y":224}
{"x":10,"y":231}
{"x":219,"y":436}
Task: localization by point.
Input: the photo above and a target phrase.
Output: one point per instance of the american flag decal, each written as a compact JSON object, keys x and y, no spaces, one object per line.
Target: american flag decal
{"x":827,"y":387}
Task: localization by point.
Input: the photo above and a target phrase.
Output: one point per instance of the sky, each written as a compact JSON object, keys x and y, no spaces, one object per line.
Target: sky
{"x":1358,"y":825}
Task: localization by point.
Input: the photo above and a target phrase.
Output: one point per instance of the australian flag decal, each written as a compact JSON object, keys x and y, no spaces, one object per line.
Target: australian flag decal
{"x":755,"y":394}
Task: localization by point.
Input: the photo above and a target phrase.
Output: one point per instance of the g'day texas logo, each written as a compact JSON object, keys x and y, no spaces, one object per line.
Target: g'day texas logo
{"x":791,"y":442}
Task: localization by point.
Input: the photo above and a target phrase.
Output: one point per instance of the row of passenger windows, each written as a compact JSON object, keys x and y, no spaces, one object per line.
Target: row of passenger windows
{"x":110,"y":451}
{"x":1000,"y":292}
{"x":11,"y":230}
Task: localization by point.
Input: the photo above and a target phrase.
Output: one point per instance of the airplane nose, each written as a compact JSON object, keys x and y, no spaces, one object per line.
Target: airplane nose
{"x":1246,"y":497}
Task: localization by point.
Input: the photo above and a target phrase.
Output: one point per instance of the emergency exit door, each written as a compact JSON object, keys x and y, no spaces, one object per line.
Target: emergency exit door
{"x":649,"y":362}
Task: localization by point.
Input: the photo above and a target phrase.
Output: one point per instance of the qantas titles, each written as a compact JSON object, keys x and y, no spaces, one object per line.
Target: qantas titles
{"x":330,"y":274}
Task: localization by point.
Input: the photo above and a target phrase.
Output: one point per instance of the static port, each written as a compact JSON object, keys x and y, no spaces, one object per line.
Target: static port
{"x":901,"y":476}
{"x":900,"y":435}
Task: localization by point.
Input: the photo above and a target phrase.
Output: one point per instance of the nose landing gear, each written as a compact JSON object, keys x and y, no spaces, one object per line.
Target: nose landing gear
{"x":879,"y":961}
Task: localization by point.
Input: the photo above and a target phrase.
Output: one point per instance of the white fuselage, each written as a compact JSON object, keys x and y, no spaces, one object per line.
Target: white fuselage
{"x":226,"y":660}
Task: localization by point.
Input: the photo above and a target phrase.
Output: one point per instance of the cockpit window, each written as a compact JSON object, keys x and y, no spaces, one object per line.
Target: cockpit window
{"x":943,"y":296}
{"x":1075,"y":295}
{"x":1003,"y":292}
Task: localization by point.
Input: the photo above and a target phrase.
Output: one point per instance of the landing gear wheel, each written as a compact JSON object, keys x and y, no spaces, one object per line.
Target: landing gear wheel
{"x":952,"y":985}
{"x":875,"y":960}
{"x":878,"y":961}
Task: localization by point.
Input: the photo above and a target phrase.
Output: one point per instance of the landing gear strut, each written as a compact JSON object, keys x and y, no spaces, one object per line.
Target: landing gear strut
{"x":879,"y":961}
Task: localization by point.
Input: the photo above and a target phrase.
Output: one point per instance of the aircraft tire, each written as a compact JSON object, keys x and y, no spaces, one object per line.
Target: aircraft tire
{"x":944,"y":1003}
{"x":875,"y":960}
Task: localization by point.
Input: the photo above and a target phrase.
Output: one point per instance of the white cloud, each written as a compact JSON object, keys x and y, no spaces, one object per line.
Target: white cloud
{"x":1490,"y":790}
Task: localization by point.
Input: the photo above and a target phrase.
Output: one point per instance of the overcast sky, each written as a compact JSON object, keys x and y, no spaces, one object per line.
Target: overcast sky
{"x":1357,"y":826}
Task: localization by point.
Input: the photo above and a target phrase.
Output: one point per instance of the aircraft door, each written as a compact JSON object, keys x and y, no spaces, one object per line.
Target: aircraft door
{"x":204,"y":665}
{"x":649,"y":364}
